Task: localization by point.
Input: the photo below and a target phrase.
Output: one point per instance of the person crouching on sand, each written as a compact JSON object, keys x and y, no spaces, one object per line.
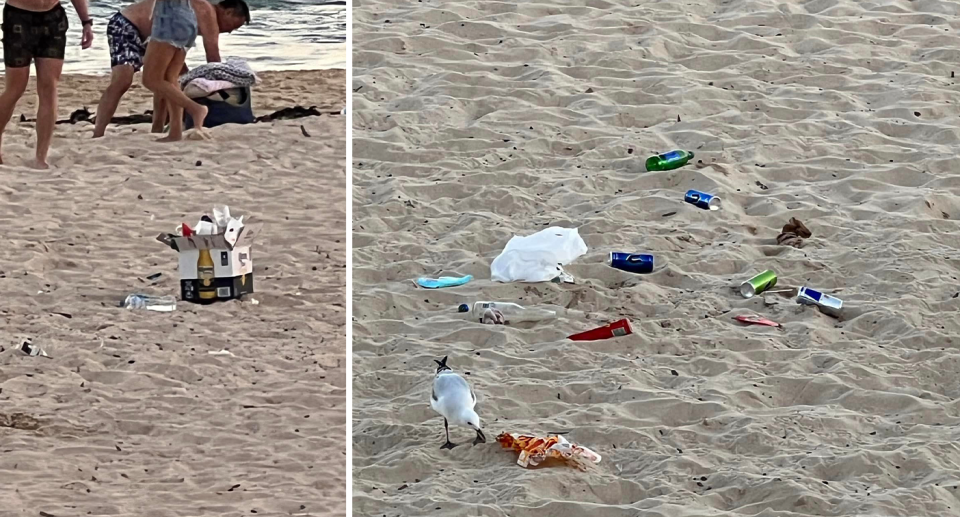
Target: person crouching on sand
{"x":36,"y":30}
{"x":127,"y":33}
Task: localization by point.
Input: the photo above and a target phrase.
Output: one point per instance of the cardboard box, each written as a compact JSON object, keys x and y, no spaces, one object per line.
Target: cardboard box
{"x":232,"y":265}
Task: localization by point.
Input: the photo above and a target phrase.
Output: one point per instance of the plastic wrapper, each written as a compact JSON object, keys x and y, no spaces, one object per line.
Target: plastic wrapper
{"x":756,"y":320}
{"x":229,"y":226}
{"x":493,"y":317}
{"x":539,"y":257}
{"x":221,"y":222}
{"x":534,"y":450}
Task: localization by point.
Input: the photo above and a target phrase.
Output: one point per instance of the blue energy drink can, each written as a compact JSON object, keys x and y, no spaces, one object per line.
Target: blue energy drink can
{"x":631,"y":262}
{"x":827,"y":304}
{"x":702,"y":200}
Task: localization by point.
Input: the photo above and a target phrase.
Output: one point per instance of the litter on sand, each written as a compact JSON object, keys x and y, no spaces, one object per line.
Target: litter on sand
{"x":793,"y":233}
{"x":756,"y":320}
{"x":32,"y":350}
{"x":443,"y":281}
{"x":539,"y":257}
{"x":214,"y":258}
{"x":615,"y":329}
{"x":534,"y":450}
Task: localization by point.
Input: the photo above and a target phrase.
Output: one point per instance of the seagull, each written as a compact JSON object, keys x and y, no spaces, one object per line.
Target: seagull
{"x":453,"y":398}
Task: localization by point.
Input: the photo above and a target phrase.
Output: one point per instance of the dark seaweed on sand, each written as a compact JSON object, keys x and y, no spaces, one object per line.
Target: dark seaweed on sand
{"x":84,"y":115}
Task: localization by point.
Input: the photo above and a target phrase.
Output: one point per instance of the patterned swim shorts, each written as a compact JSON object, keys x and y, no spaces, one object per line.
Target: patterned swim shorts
{"x":126,"y":45}
{"x":29,"y":34}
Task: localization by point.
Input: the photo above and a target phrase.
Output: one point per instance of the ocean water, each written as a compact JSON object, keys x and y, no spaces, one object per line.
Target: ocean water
{"x":282,"y":35}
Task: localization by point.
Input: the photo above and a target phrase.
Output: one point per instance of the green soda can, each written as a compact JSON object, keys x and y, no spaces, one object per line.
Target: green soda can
{"x":668,"y":161}
{"x":758,"y":284}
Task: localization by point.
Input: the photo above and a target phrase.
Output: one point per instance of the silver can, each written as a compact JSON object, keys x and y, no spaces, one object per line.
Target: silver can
{"x":827,"y":304}
{"x":32,"y":350}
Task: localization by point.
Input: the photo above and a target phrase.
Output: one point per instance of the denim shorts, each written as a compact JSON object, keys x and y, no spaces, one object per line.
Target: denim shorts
{"x":174,"y":22}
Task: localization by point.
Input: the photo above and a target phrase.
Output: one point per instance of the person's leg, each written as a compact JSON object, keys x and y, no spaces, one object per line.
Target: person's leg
{"x":17,"y":55}
{"x":156,"y":62}
{"x":121,"y":78}
{"x":175,"y":112}
{"x":48,"y":78}
{"x":15,"y":83}
{"x":159,"y":114}
{"x":49,"y":50}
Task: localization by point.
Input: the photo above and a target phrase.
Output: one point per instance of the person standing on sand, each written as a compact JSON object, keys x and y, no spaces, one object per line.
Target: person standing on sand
{"x":36,"y":30}
{"x":127,"y":33}
{"x":173,"y":32}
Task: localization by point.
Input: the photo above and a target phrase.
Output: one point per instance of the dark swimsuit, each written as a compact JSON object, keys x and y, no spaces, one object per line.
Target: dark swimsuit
{"x":29,"y":34}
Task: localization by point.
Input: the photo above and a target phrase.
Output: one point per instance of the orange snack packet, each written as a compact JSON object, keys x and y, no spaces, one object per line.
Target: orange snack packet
{"x":534,"y":450}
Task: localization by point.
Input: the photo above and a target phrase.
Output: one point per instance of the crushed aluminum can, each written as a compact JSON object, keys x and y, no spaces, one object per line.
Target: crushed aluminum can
{"x":702,"y":200}
{"x":32,"y":350}
{"x":827,"y":304}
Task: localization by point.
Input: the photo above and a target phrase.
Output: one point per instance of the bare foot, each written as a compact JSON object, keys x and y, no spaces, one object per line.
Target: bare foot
{"x":37,"y":163}
{"x":157,"y":129}
{"x":171,"y":138}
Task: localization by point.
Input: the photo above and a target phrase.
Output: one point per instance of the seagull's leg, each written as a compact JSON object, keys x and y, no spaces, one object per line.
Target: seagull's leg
{"x":449,"y":444}
{"x":480,"y":438}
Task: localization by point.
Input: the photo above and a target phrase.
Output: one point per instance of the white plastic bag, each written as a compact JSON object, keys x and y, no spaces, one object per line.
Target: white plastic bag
{"x":538,"y":257}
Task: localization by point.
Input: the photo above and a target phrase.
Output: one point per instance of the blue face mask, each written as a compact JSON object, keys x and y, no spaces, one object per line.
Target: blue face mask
{"x":444,"y":281}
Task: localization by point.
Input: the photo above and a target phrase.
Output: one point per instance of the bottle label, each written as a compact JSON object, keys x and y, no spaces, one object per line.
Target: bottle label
{"x":672,"y":155}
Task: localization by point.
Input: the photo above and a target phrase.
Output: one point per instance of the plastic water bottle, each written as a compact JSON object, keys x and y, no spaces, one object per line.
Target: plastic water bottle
{"x":151,"y":303}
{"x":512,"y":312}
{"x":668,"y":161}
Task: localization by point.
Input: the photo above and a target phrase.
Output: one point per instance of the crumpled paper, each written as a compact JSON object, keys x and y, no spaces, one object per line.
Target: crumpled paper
{"x":534,"y":450}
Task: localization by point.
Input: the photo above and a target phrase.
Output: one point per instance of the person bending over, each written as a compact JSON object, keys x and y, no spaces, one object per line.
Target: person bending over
{"x":36,"y":30}
{"x":127,"y":33}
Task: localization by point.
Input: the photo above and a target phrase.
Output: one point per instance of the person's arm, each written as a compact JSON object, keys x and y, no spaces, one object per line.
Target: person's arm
{"x":84,"y":14}
{"x":210,"y":31}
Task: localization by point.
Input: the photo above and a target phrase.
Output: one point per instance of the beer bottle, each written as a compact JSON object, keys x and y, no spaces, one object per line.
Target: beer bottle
{"x":668,"y":161}
{"x":207,"y":291}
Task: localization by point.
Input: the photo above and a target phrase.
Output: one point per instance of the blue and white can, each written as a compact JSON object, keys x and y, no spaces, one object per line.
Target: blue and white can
{"x":827,"y":304}
{"x":631,"y":262}
{"x":702,"y":200}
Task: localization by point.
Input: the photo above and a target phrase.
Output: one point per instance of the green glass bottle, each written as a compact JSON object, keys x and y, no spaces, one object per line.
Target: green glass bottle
{"x":669,"y":161}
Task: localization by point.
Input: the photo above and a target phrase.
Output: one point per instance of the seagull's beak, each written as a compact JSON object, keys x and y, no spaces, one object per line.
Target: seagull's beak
{"x":480,"y":437}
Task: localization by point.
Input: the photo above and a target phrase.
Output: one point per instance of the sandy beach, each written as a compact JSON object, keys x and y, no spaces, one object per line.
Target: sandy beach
{"x":474,"y":122}
{"x":132,"y":414}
